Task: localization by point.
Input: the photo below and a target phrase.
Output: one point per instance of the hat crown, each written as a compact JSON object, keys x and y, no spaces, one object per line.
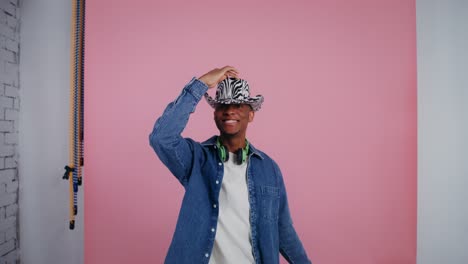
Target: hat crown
{"x":233,"y":89}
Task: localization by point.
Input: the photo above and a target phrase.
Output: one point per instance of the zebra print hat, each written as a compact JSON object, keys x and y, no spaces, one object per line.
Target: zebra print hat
{"x":234,"y":91}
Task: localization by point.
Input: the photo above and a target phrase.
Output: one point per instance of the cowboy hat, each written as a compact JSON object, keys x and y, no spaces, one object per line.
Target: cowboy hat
{"x":234,"y":91}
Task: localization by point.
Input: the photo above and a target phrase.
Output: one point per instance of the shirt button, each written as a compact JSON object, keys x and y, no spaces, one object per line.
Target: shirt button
{"x":215,"y":146}
{"x":207,"y":255}
{"x":214,"y":205}
{"x":217,"y":182}
{"x":212,"y":230}
{"x":220,"y":164}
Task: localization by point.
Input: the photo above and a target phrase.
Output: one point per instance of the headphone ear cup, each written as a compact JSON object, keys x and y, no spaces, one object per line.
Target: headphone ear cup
{"x":223,"y":155}
{"x":244,"y":155}
{"x":239,"y":156}
{"x":226,"y":154}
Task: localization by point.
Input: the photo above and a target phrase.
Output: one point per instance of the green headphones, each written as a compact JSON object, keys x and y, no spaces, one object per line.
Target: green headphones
{"x":240,"y":153}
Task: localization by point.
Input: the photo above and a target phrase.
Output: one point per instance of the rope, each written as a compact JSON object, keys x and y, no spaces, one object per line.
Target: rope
{"x":73,"y":169}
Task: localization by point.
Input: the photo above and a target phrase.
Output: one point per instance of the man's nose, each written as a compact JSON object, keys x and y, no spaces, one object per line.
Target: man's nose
{"x":229,"y":109}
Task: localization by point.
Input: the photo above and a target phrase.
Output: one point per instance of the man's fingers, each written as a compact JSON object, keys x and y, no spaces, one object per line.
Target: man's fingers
{"x":213,"y":77}
{"x":232,"y":73}
{"x":230,"y":69}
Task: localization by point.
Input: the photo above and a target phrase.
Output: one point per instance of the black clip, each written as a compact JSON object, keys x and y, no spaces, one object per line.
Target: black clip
{"x":68,"y":170}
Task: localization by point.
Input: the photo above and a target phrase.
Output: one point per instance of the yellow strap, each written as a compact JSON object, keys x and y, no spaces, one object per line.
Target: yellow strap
{"x":72,"y":95}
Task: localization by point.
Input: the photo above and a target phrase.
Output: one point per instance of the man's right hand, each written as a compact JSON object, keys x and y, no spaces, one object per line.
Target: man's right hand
{"x":213,"y":77}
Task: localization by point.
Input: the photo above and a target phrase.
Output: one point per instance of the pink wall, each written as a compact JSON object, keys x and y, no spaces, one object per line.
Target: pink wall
{"x":339,"y":80}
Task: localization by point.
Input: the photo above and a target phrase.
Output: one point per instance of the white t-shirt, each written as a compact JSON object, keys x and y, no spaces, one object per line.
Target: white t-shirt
{"x":233,"y":238}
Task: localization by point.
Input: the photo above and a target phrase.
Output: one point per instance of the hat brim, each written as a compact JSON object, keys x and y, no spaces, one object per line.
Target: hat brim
{"x":255,"y":102}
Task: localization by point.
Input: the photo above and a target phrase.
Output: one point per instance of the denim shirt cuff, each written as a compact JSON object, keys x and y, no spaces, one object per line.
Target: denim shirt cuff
{"x":197,"y":88}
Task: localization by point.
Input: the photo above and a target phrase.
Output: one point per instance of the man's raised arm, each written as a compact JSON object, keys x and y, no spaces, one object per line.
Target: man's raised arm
{"x":166,"y":139}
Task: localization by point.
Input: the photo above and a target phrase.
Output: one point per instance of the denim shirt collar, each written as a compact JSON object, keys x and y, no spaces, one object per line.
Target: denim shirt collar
{"x":252,"y":150}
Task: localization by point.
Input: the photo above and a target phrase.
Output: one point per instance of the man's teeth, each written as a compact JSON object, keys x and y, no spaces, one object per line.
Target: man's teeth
{"x":230,"y":121}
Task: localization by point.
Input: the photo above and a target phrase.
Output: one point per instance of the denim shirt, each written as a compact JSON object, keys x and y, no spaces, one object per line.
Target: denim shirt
{"x":199,"y":169}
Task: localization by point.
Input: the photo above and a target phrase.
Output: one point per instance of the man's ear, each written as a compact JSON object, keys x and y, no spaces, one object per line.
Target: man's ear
{"x":251,"y":116}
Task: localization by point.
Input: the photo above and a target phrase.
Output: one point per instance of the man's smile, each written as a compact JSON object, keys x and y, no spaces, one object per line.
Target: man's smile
{"x":230,"y":121}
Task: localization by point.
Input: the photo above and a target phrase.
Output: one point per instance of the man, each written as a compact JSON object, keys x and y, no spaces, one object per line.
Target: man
{"x":235,"y":208}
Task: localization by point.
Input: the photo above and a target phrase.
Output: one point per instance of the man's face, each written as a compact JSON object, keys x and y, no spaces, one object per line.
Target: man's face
{"x":232,"y":119}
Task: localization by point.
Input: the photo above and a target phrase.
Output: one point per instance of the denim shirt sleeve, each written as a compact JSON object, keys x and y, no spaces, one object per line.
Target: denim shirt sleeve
{"x":290,"y":245}
{"x":173,"y":150}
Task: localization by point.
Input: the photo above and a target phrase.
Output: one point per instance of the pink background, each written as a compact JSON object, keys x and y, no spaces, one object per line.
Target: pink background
{"x":339,"y":80}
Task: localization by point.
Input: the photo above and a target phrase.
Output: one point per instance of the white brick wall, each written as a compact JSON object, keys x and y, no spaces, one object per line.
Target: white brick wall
{"x":9,"y":112}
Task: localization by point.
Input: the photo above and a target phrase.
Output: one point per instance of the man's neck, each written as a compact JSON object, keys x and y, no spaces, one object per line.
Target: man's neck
{"x":233,"y":143}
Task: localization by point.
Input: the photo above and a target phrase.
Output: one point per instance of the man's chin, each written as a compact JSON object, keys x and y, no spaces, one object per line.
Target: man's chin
{"x":229,"y":133}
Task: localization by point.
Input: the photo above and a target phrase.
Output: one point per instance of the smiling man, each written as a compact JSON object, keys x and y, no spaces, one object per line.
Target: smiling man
{"x":235,"y":208}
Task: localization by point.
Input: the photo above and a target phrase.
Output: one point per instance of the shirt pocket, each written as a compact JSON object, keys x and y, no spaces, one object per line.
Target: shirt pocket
{"x":269,"y":202}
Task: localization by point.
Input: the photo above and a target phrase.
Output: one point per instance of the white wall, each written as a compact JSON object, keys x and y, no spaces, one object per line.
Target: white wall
{"x":442,"y":37}
{"x":44,"y":77}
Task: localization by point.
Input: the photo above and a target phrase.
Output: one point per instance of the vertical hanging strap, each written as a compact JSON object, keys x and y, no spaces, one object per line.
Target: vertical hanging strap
{"x":81,"y":84}
{"x":73,"y":169}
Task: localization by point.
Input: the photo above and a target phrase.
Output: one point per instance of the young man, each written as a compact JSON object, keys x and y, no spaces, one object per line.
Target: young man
{"x":235,"y":208}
